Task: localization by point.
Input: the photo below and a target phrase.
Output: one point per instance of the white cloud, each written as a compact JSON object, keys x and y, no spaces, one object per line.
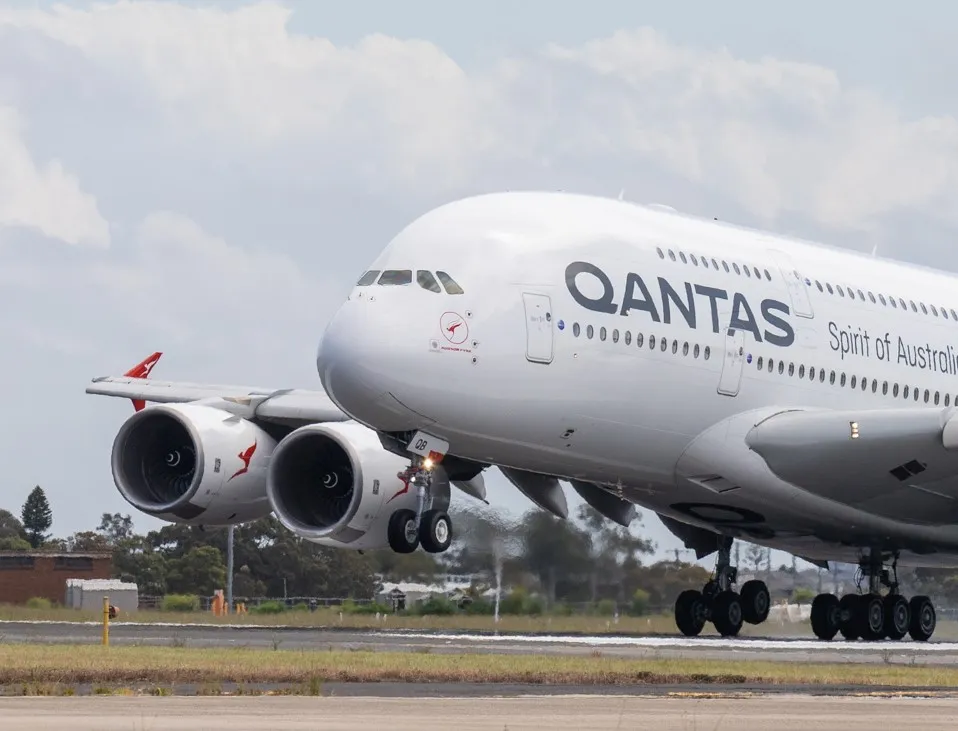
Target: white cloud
{"x":775,"y":136}
{"x":46,"y":198}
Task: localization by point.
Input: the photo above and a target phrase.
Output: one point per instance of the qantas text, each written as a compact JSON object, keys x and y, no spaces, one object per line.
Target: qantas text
{"x":685,"y":299}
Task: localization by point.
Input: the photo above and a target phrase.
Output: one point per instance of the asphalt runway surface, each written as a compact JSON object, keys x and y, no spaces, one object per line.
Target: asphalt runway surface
{"x":663,"y":713}
{"x":658,"y":647}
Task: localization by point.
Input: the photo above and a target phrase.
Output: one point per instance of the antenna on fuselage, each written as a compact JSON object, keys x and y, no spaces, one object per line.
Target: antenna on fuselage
{"x":622,"y":194}
{"x":875,"y":250}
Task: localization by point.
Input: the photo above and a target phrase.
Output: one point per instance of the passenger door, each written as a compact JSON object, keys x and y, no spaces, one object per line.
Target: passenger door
{"x":539,"y":332}
{"x":732,"y":362}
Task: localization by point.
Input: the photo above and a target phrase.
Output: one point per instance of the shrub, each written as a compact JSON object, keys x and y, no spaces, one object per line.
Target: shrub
{"x":273,"y":607}
{"x":181,"y":603}
{"x":605,"y":608}
{"x":436,"y":606}
{"x":39,"y":602}
{"x":640,"y":603}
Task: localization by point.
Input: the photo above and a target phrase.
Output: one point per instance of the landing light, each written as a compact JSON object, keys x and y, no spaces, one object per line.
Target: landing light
{"x":427,"y":464}
{"x":854,"y":429}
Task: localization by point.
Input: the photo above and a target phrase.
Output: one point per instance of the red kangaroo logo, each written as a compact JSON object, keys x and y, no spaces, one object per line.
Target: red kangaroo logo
{"x":246,"y":457}
{"x":452,"y":328}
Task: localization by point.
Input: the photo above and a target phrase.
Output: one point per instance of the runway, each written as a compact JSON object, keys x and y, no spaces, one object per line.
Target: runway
{"x":299,"y":638}
{"x":781,"y":712}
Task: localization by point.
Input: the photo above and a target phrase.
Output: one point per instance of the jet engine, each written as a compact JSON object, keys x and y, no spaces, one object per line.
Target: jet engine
{"x":193,"y":464}
{"x":335,"y":485}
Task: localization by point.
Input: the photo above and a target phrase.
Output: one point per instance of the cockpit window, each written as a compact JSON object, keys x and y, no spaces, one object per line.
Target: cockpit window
{"x":427,"y":281}
{"x":396,"y":277}
{"x":449,"y":283}
{"x":368,"y":278}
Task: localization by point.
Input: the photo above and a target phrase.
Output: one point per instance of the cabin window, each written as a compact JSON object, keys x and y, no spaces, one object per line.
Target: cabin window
{"x":934,"y":310}
{"x":902,"y":303}
{"x":927,"y":395}
{"x":708,"y":352}
{"x":768,"y":276}
{"x":735,"y":267}
{"x":452,"y":287}
{"x":427,"y":281}
{"x":894,"y":390}
{"x":576,"y":329}
{"x":368,"y":278}
{"x":628,"y":337}
{"x":748,"y":272}
{"x":761,"y":363}
{"x":671,"y":255}
{"x":884,"y":388}
{"x":589,"y":332}
{"x":725,"y":267}
{"x":615,"y":336}
{"x":831,"y":378}
{"x":872,"y":298}
{"x":651,"y":342}
{"x":661,"y":253}
{"x":801,"y":371}
{"x":715,"y":267}
{"x":820,"y":287}
{"x":682,"y":257}
{"x":843,"y":380}
{"x":882,"y":298}
{"x":854,"y":381}
{"x":811,"y":373}
{"x":791,"y":369}
{"x":861,"y":295}
{"x":781,"y":367}
{"x":696,"y":351}
{"x":685,"y":349}
{"x":937,"y":397}
{"x":829,"y":288}
{"x":395,"y":277}
{"x":639,"y":339}
{"x":602,"y":334}
{"x":841,"y":291}
{"x":905,"y":391}
{"x":694,"y":259}
{"x":665,"y":344}
{"x":947,"y":399}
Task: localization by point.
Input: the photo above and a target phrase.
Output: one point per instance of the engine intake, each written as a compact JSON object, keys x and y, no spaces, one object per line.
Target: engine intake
{"x":313,"y":481}
{"x":157,"y":460}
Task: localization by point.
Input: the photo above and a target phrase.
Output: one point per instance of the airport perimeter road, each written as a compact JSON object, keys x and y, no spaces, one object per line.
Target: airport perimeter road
{"x":782,"y":713}
{"x":789,"y":650}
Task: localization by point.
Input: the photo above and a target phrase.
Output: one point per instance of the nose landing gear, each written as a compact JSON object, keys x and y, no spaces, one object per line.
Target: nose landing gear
{"x":429,"y":525}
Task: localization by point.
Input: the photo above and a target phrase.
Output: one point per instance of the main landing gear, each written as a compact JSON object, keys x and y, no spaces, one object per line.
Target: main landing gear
{"x":430,"y":528}
{"x":872,"y":616}
{"x":719,"y":603}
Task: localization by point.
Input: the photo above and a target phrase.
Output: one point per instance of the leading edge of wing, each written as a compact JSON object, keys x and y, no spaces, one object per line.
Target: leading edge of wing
{"x":266,"y":403}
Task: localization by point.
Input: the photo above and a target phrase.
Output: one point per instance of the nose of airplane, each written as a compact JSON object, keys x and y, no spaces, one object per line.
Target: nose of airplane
{"x":357,"y":361}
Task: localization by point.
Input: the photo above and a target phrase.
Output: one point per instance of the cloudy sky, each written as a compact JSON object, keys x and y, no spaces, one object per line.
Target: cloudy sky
{"x":208,"y":179}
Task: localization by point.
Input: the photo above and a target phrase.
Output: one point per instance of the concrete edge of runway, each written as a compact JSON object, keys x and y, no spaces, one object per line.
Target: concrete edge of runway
{"x":472,"y":690}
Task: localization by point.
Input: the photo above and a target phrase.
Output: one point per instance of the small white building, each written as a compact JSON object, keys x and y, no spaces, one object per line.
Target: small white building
{"x":87,"y":594}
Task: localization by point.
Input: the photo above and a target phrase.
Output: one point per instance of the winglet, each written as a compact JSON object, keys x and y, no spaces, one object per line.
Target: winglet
{"x":142,"y":370}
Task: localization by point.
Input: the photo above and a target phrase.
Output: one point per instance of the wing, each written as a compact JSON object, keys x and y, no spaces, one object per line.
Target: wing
{"x":293,"y":407}
{"x":898,"y":463}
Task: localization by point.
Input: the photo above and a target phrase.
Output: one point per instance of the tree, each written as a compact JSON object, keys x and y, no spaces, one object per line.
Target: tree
{"x":37,"y":517}
{"x":199,"y":571}
{"x":10,"y":526}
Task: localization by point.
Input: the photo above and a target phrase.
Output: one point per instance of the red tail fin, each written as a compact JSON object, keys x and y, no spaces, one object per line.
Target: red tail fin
{"x":142,"y":370}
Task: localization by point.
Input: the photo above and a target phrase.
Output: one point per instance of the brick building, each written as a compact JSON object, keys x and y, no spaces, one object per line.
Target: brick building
{"x":24,"y":575}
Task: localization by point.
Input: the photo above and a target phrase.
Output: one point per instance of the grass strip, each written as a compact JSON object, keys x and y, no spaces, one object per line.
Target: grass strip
{"x":92,"y":664}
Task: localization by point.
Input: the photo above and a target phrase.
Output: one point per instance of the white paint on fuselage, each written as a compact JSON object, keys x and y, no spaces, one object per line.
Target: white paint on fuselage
{"x":634,"y":410}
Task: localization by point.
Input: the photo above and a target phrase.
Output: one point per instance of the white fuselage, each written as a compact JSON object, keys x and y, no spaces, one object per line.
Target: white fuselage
{"x":634,"y":348}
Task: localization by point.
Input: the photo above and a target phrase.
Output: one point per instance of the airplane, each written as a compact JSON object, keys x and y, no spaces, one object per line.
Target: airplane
{"x":739,"y":384}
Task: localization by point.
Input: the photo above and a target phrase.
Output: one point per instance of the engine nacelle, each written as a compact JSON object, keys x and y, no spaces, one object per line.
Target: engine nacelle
{"x":193,"y":464}
{"x":335,"y":485}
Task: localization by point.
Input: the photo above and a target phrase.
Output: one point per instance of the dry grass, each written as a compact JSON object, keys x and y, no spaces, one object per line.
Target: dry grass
{"x":66,"y":666}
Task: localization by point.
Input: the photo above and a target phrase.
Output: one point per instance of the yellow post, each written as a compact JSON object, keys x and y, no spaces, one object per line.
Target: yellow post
{"x":106,"y":620}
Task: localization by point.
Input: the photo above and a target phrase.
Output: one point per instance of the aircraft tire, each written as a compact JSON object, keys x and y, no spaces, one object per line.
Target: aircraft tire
{"x":690,"y":612}
{"x":897,"y":616}
{"x":401,"y":532}
{"x":826,"y":616}
{"x":923,"y":619}
{"x":756,"y":601}
{"x":435,"y":531}
{"x":848,"y":616}
{"x":727,"y":614}
{"x":871,"y":617}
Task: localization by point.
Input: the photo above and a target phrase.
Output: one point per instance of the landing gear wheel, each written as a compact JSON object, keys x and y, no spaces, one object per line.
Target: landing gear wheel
{"x":401,"y":532}
{"x":690,"y":612}
{"x":897,"y":616}
{"x":848,"y":616}
{"x":923,"y":619}
{"x":756,"y":602}
{"x":435,"y":531}
{"x":826,"y":616}
{"x":871,"y":617}
{"x":727,"y":614}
